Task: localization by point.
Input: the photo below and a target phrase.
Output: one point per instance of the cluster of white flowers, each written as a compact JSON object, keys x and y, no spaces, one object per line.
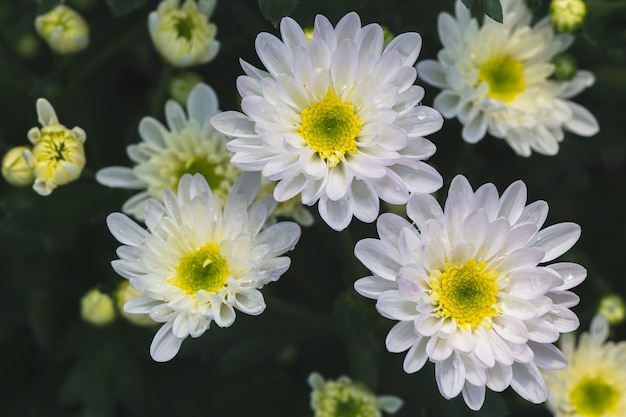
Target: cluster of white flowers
{"x":334,"y":118}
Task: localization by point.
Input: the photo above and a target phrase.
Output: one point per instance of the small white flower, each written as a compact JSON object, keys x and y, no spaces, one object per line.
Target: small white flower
{"x":183,"y":34}
{"x":335,"y":119}
{"x":344,"y":397}
{"x":63,"y":29}
{"x":198,"y":261}
{"x":466,"y":286}
{"x":494,"y":78}
{"x":594,"y":382}
{"x":188,"y":145}
{"x":58,"y":155}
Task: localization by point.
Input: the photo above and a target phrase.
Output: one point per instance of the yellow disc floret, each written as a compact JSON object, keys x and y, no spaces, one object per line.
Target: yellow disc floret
{"x":504,"y":76}
{"x":466,"y":293}
{"x":204,"y":269}
{"x":330,"y":128}
{"x":594,"y":397}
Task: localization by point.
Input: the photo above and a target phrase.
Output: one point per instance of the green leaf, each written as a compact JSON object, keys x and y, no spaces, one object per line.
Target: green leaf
{"x":493,"y":9}
{"x":468,"y":3}
{"x":274,"y":10}
{"x":120,"y":8}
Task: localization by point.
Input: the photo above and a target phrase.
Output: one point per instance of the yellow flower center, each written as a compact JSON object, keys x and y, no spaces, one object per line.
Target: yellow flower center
{"x":187,"y":22}
{"x":330,"y":128}
{"x":184,"y":26}
{"x":204,"y":269}
{"x":58,"y":150}
{"x":467,"y":293}
{"x":504,"y":76}
{"x":214,"y":174}
{"x":594,"y":397}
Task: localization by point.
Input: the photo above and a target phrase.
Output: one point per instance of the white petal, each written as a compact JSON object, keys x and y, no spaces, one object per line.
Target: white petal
{"x":547,"y":356}
{"x":374,"y":286}
{"x":120,"y":177}
{"x":202,"y":103}
{"x":175,"y":116}
{"x":582,"y":122}
{"x":45,"y":112}
{"x":273,"y":53}
{"x":422,"y":207}
{"x":291,"y":33}
{"x":338,"y":182}
{"x":450,"y":375}
{"x":572,"y":274}
{"x":389,"y":403}
{"x":235,"y":124}
{"x":473,"y":395}
{"x":392,"y":306}
{"x":528,"y":382}
{"x":165,"y":345}
{"x":513,"y":201}
{"x":125,"y":230}
{"x":556,"y":239}
{"x":153,"y":132}
{"x":337,"y":214}
{"x":250,"y":302}
{"x":365,"y":202}
{"x":408,"y":45}
{"x":510,"y":328}
{"x":432,"y":72}
{"x":416,"y":356}
{"x":401,"y":337}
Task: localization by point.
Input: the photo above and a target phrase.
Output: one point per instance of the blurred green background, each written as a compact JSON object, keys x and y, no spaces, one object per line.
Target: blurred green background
{"x":54,"y":249}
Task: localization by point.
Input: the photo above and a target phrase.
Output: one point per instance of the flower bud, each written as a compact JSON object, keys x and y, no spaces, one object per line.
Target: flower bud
{"x":612,"y":307}
{"x":15,"y":169}
{"x":183,"y":34}
{"x":97,"y":308}
{"x":65,"y":31}
{"x":567,"y":15}
{"x":58,"y":155}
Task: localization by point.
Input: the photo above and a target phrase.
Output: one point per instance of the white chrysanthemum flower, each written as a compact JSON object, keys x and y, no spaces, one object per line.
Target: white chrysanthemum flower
{"x":466,"y":285}
{"x":594,"y":382}
{"x":183,"y":34}
{"x":188,"y":145}
{"x":335,"y":119}
{"x":495,"y":79}
{"x":197,"y":262}
{"x":343,"y":397}
{"x":63,"y":29}
{"x":58,"y":155}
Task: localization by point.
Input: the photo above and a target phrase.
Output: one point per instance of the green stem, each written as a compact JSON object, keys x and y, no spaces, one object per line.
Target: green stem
{"x":161,"y":91}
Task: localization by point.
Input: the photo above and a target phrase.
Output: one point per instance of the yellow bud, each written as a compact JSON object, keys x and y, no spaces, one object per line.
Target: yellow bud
{"x":97,"y":308}
{"x":612,"y":307}
{"x":65,"y":31}
{"x":15,"y":169}
{"x":567,"y":15}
